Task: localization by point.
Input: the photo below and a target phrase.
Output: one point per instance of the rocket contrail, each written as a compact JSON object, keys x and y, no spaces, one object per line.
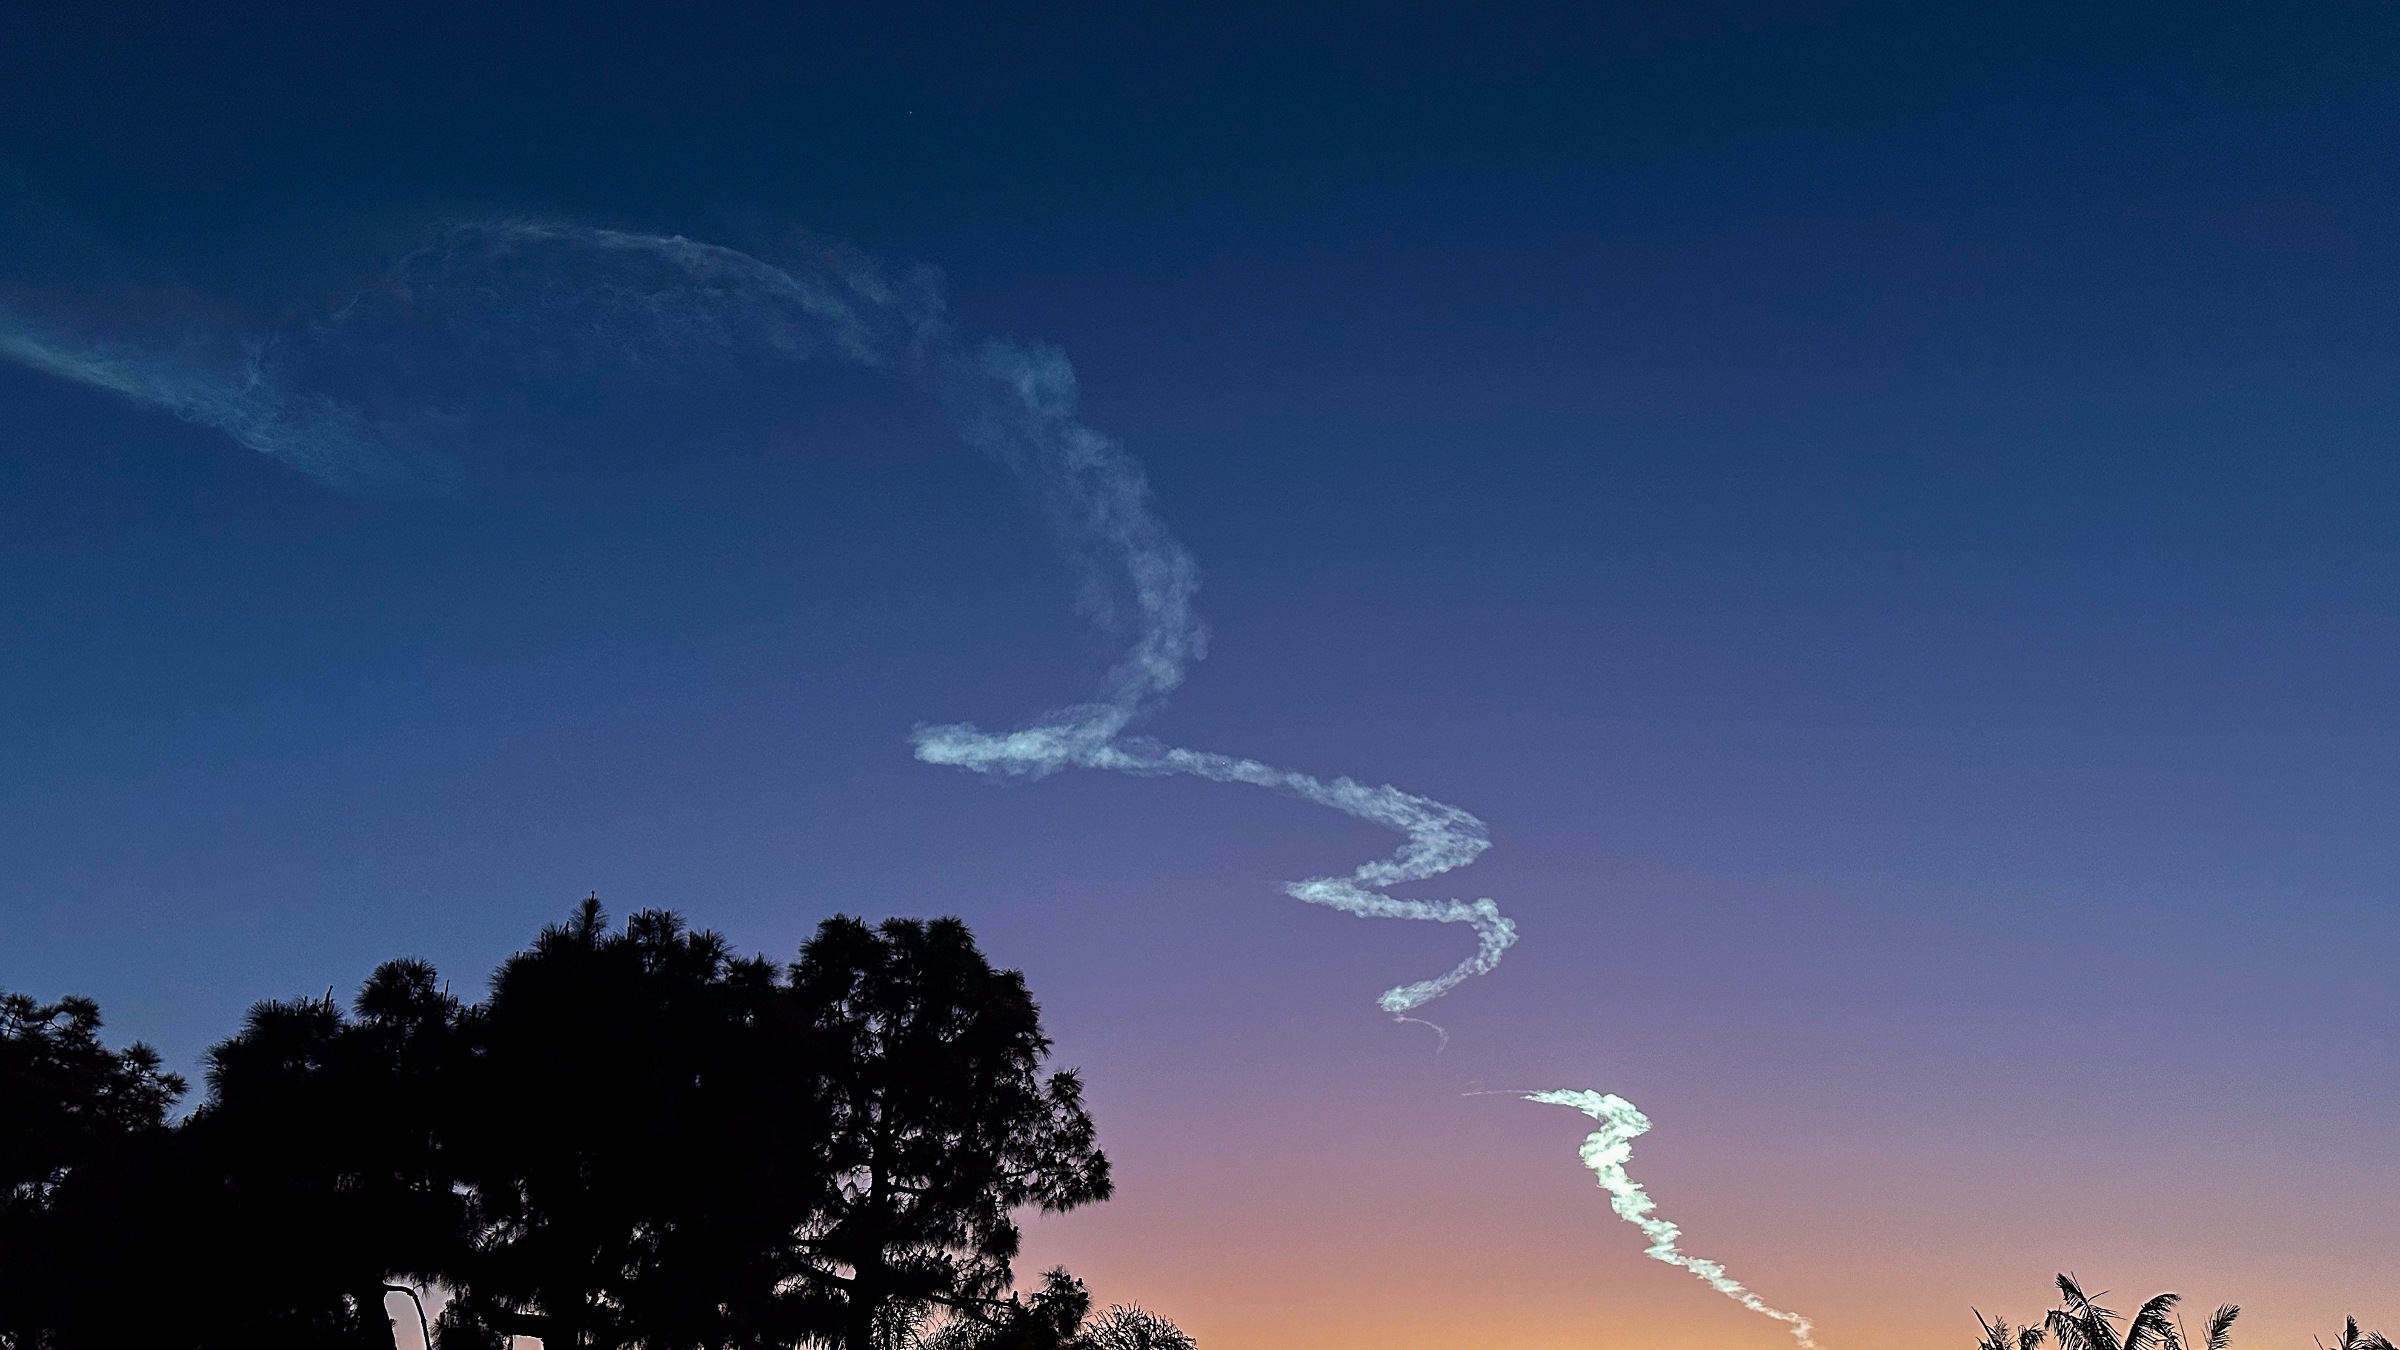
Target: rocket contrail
{"x":367,"y":395}
{"x":1440,"y":837}
{"x":1019,"y":406}
{"x":1606,"y":1151}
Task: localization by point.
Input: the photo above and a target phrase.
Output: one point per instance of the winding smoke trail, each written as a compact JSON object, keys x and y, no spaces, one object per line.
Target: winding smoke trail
{"x":1440,"y":837}
{"x":365,"y":396}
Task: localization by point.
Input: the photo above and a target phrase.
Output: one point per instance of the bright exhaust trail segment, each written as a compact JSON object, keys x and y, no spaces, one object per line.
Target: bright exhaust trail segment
{"x":1606,"y":1151}
{"x":1439,"y":837}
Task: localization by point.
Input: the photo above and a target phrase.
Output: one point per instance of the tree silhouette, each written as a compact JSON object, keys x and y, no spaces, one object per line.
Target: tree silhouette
{"x":637,"y":1139}
{"x":76,"y":1120}
{"x":940,"y":1123}
{"x":2354,"y":1339}
{"x":65,"y":1098}
{"x":642,"y":1141}
{"x":1997,"y":1336}
{"x":2217,"y":1334}
{"x":1056,"y":1318}
{"x":320,"y":1124}
{"x":1050,"y":1320}
{"x":1125,"y":1327}
{"x":2081,"y":1324}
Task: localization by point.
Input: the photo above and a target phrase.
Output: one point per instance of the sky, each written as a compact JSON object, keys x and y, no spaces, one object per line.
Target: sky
{"x":1887,"y":512}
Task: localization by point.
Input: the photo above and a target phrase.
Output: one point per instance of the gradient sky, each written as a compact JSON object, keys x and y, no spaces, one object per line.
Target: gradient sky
{"x":1888,"y":511}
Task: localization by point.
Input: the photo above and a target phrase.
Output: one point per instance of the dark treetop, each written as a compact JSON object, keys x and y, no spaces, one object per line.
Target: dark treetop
{"x":639,"y":1138}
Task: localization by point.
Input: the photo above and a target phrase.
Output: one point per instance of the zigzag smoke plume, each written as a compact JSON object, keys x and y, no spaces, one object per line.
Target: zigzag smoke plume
{"x":359,"y":394}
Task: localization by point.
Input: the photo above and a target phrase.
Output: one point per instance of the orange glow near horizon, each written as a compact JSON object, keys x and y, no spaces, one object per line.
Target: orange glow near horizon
{"x":1391,"y":1247}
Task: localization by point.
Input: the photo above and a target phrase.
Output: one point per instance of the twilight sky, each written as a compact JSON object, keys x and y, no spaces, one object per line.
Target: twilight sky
{"x":1889,"y":512}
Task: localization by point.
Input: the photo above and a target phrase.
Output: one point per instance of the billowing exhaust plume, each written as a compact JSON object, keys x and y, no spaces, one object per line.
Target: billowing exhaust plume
{"x":366,"y":395}
{"x":1606,"y":1151}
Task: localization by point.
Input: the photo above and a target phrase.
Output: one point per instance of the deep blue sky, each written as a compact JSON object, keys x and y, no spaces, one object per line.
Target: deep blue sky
{"x":1889,"y":511}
